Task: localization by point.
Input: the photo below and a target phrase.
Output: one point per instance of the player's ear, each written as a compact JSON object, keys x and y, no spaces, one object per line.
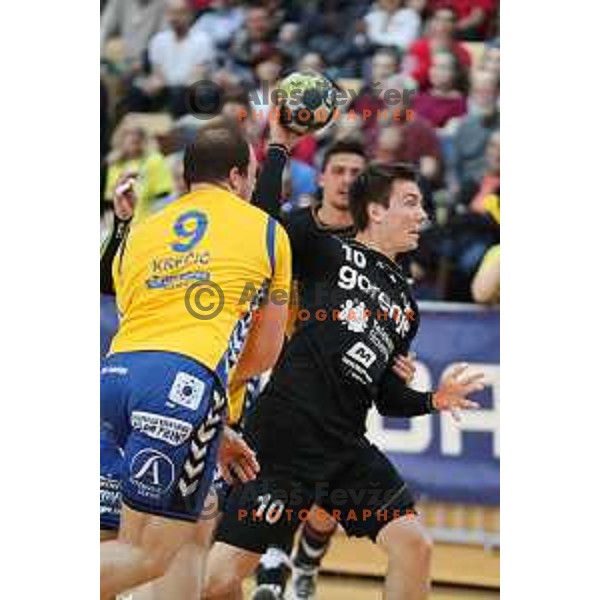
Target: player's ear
{"x":321,"y":180}
{"x":235,"y":180}
{"x":376,"y":212}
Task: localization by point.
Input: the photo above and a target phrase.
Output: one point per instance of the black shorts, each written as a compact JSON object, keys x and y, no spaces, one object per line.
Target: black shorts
{"x":363,"y":495}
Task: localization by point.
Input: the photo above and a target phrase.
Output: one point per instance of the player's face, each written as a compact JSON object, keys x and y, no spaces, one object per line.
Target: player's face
{"x":341,"y":170}
{"x":402,"y":221}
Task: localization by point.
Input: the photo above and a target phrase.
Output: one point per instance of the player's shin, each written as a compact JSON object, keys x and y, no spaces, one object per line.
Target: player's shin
{"x":314,"y":540}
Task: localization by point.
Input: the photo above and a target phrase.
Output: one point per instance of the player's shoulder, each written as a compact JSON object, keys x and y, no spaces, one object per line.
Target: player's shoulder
{"x":300,"y":217}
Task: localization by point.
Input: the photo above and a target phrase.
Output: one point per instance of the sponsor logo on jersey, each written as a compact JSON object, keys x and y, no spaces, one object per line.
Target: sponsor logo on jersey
{"x":172,"y":431}
{"x":362,"y":353}
{"x":350,"y":279}
{"x":187,"y":391}
{"x":152,"y":473}
{"x":354,"y":315}
{"x":110,"y":495}
{"x":114,"y":371}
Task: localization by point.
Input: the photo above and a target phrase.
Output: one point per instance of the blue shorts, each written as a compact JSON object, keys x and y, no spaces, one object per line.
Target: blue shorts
{"x":161,"y":416}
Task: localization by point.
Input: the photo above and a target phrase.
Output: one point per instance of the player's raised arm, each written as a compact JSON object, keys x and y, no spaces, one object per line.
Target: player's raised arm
{"x":267,"y":193}
{"x":267,"y":332}
{"x":123,"y":205}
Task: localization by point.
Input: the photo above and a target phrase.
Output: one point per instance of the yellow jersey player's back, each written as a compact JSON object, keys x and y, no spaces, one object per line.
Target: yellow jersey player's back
{"x":189,"y":275}
{"x":186,"y":280}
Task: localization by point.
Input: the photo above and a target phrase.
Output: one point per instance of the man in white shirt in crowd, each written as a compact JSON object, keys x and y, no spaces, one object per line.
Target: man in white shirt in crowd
{"x":178,"y":56}
{"x":390,"y":23}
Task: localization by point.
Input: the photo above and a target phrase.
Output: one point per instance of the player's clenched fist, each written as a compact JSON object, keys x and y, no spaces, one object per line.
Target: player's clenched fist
{"x":236,"y":458}
{"x":124,"y":198}
{"x":454,"y":388}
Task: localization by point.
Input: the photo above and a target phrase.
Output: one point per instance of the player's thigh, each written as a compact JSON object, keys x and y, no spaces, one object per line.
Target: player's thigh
{"x":370,"y":494}
{"x":159,"y":538}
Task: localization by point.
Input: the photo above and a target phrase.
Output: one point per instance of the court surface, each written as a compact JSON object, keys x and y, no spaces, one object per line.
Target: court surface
{"x":336,"y":587}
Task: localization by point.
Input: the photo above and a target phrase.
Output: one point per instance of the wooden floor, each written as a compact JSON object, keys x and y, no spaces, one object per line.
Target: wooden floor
{"x":354,"y":568}
{"x":335,"y":587}
{"x":452,"y":563}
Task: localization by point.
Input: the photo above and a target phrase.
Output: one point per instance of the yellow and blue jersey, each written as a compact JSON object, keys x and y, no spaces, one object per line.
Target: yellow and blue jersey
{"x":207,"y":236}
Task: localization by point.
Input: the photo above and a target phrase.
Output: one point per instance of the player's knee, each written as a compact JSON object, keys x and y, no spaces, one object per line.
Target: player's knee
{"x":402,"y":540}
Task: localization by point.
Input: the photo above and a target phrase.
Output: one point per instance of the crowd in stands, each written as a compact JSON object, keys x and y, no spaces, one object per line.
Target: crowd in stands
{"x":444,"y":53}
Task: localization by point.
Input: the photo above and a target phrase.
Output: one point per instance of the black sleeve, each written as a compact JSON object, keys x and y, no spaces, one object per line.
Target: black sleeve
{"x":108,"y":253}
{"x":396,"y":399}
{"x":268,"y":187}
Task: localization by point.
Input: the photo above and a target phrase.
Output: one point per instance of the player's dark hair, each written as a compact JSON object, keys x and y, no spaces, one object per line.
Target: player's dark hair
{"x":348,"y":146}
{"x":218,"y":147}
{"x":374,"y":185}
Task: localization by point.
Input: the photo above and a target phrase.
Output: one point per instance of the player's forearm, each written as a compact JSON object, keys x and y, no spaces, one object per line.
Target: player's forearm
{"x":267,"y":194}
{"x":108,"y":253}
{"x":396,"y":399}
{"x":263,"y":345}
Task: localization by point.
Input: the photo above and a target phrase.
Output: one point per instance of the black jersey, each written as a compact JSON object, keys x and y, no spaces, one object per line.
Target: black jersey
{"x":304,"y":227}
{"x":359,"y":315}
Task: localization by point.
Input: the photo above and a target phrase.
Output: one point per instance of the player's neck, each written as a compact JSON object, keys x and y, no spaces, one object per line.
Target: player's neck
{"x":372,"y":240}
{"x":334,"y":217}
{"x":196,"y":187}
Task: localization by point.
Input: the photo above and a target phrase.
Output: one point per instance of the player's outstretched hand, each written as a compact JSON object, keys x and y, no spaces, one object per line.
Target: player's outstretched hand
{"x":236,"y":459}
{"x":404,"y":367}
{"x":454,"y":388}
{"x":124,"y":198}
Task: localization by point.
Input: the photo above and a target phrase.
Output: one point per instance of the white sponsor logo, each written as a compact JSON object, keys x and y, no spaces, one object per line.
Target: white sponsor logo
{"x":362,"y":353}
{"x":187,"y":391}
{"x":113,"y":371}
{"x":166,"y":429}
{"x":152,"y":473}
{"x":110,"y":495}
{"x":349,"y":278}
{"x":354,"y":316}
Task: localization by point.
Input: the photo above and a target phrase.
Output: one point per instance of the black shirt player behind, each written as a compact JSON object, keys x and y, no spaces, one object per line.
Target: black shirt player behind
{"x":308,"y":428}
{"x":342,"y":163}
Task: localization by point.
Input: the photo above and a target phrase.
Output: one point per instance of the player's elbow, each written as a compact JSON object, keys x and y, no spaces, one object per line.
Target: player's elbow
{"x":271,"y":334}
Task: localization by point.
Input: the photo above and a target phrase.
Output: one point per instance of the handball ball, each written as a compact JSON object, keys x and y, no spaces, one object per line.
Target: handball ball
{"x":309,"y":101}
